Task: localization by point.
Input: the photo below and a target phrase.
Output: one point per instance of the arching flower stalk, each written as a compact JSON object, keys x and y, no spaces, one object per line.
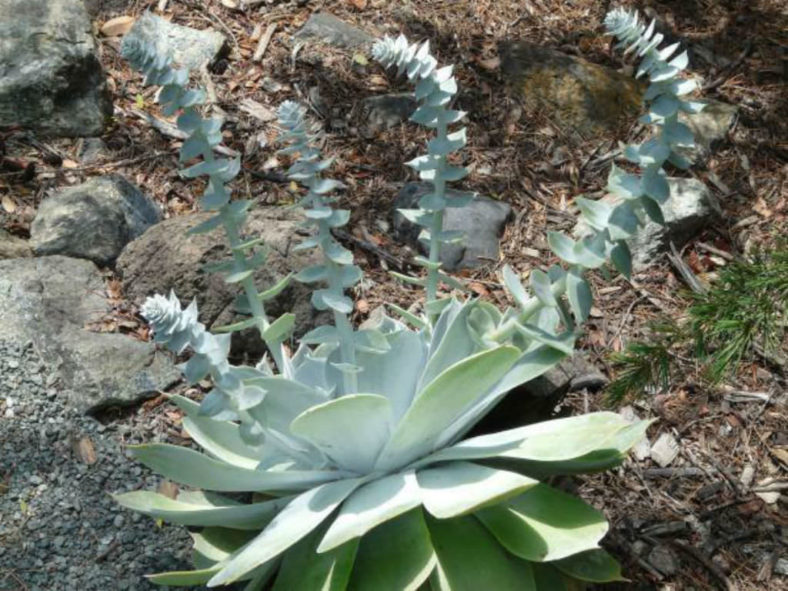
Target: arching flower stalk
{"x":435,"y":89}
{"x":203,"y":135}
{"x":337,"y":271}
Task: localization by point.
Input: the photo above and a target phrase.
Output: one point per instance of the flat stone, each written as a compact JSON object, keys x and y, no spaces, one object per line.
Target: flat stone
{"x":94,"y":220}
{"x":642,"y":449}
{"x":329,"y":29}
{"x":165,"y":258}
{"x":482,"y":221}
{"x":13,"y":247}
{"x":387,"y":110}
{"x":48,"y":301}
{"x":690,"y":209}
{"x":51,"y":80}
{"x":573,"y":92}
{"x":188,"y":47}
{"x":664,"y":560}
{"x":664,"y":450}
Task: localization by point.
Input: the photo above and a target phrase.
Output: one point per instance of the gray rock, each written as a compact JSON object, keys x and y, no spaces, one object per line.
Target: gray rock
{"x":709,"y":127}
{"x":12,"y":247}
{"x":691,"y":208}
{"x":91,"y":149}
{"x":664,"y":560}
{"x":50,"y":77}
{"x":94,"y":220}
{"x":190,"y":48}
{"x":48,"y":301}
{"x":483,"y":222}
{"x":387,"y":110}
{"x":166,"y":258}
{"x":325,"y":27}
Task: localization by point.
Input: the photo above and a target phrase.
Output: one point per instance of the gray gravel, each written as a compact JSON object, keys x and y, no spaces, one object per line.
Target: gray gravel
{"x":59,"y":528}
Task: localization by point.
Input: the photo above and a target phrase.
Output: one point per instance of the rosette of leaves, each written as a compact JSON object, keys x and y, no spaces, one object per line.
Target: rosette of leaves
{"x":371,"y":483}
{"x":435,"y":89}
{"x":337,"y":270}
{"x":377,"y":489}
{"x":203,"y":135}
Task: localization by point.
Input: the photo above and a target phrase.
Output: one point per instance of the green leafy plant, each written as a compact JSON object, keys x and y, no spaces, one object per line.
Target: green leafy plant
{"x":355,"y":447}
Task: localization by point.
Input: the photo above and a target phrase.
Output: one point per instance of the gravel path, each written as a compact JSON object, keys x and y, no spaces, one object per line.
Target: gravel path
{"x":59,"y":528}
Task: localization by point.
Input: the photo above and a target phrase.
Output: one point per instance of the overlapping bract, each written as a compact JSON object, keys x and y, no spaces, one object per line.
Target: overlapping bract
{"x":435,"y":89}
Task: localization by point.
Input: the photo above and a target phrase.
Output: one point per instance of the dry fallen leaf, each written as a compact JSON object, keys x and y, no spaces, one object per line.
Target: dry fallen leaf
{"x":84,"y":450}
{"x":360,"y":4}
{"x":168,"y":489}
{"x":9,"y":204}
{"x":362,"y":306}
{"x":120,"y":25}
{"x":67,"y":163}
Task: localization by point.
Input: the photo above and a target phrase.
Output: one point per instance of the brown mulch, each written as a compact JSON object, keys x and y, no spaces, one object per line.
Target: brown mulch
{"x":721,"y":534}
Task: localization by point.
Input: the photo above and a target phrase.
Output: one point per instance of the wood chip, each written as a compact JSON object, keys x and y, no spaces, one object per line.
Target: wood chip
{"x":665,"y":450}
{"x":264,"y":41}
{"x":120,"y":25}
{"x":257,"y":110}
{"x":84,"y":450}
{"x":9,"y":204}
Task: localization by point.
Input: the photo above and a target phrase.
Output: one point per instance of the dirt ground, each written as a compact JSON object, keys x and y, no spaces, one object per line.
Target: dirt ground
{"x":701,"y":513}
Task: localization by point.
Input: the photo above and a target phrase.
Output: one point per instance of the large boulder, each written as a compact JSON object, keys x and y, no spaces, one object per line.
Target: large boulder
{"x":576,"y":93}
{"x":167,"y":258}
{"x":48,"y":302}
{"x":188,"y":47}
{"x":690,"y":209}
{"x":482,"y":222}
{"x":50,"y":77}
{"x":94,"y":220}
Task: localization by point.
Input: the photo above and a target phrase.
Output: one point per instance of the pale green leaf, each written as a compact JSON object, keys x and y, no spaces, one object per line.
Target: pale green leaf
{"x":593,"y":565}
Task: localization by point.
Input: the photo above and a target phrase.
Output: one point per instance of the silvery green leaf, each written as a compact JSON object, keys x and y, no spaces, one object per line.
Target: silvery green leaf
{"x":681,"y":61}
{"x":321,"y":334}
{"x":441,"y":402}
{"x":305,"y":569}
{"x":653,"y":151}
{"x":215,"y":197}
{"x":665,"y":106}
{"x":279,"y":328}
{"x":623,"y":222}
{"x":196,"y":368}
{"x":544,"y":524}
{"x":408,"y":316}
{"x":284,"y":401}
{"x":592,"y":565}
{"x":238,"y":276}
{"x":595,"y":213}
{"x":236,"y":326}
{"x":563,"y":246}
{"x":433,"y":202}
{"x":416,"y":216}
{"x":692,"y":106}
{"x":623,"y":184}
{"x":424,"y":163}
{"x":322,"y":186}
{"x":371,"y":505}
{"x":206,"y":226}
{"x":579,"y":294}
{"x":441,"y":146}
{"x":216,"y":405}
{"x":663,"y":72}
{"x":194,"y":96}
{"x":655,"y":185}
{"x":339,"y":218}
{"x":338,"y":254}
{"x":653,"y":209}
{"x":460,"y":488}
{"x":451,"y":339}
{"x":371,"y":341}
{"x":338,"y":303}
{"x":274,"y":291}
{"x":679,"y":161}
{"x":564,"y":342}
{"x":301,"y":516}
{"x":184,"y":578}
{"x":395,"y":556}
{"x":425,"y":115}
{"x":206,"y":167}
{"x":678,"y":134}
{"x":542,"y":287}
{"x":622,"y":259}
{"x":202,"y":509}
{"x":470,"y":558}
{"x":231,"y":171}
{"x":514,"y":286}
{"x":408,"y":279}
{"x":460,"y":198}
{"x":218,"y":438}
{"x":189,"y":120}
{"x":193,"y":146}
{"x":312,"y":274}
{"x":448,"y":173}
{"x":350,"y":275}
{"x":351,"y":430}
{"x":186,"y":466}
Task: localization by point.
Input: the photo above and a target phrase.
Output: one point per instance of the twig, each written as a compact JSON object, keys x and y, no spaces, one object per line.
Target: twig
{"x":714,"y":250}
{"x":118,"y":163}
{"x":712,"y":568}
{"x":673,"y":472}
{"x":259,"y":52}
{"x":171,"y":130}
{"x":686,"y":273}
{"x":103,"y":555}
{"x":374,"y":249}
{"x":728,"y":70}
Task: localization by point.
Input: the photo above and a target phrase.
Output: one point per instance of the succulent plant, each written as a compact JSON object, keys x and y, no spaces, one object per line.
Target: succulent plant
{"x":356,"y":451}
